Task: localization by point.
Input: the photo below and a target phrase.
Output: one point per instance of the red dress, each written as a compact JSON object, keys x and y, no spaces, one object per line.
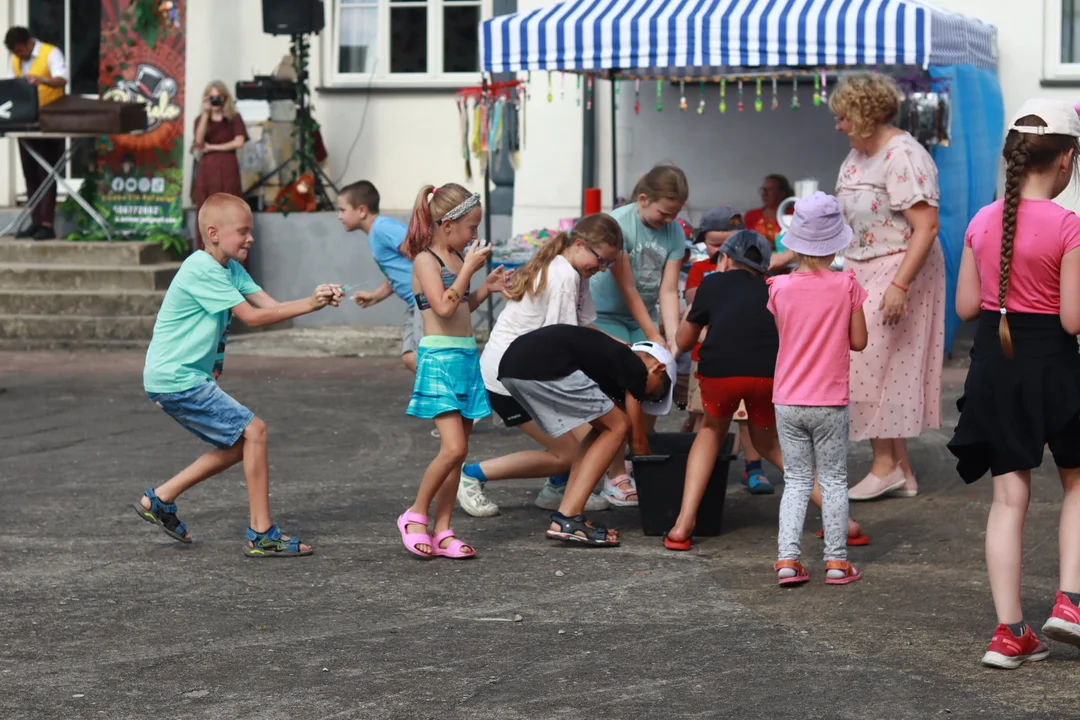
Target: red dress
{"x":219,"y":172}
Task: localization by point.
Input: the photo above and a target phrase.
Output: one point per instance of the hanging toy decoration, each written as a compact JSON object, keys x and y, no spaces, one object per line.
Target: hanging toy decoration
{"x":618,"y":88}
{"x":550,"y":95}
{"x":824,"y":87}
{"x":637,"y":97}
{"x":588,"y":84}
{"x":659,"y":95}
{"x":775,"y":99}
{"x":795,"y":93}
{"x":562,"y":87}
{"x":723,"y":95}
{"x":817,"y":90}
{"x":701,"y":103}
{"x":758,"y":103}
{"x":740,"y":95}
{"x":682,"y":95}
{"x":578,"y":93}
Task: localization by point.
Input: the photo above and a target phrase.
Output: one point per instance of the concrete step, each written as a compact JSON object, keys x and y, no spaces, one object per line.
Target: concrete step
{"x":118,"y":253}
{"x":52,"y":344}
{"x":80,"y":302}
{"x":77,"y":328}
{"x":35,"y":276}
{"x":102,"y":327}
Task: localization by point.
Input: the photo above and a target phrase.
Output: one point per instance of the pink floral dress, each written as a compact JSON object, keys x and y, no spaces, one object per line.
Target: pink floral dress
{"x":896,"y":380}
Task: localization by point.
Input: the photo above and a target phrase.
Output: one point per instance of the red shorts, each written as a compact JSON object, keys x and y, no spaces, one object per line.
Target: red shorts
{"x":721,"y":398}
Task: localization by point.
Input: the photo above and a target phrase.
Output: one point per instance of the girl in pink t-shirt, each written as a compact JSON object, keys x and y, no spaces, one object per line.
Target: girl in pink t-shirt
{"x":1020,"y":278}
{"x":820,"y":319}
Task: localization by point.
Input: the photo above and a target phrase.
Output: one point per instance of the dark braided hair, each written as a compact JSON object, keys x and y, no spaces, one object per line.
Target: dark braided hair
{"x":1023,"y":153}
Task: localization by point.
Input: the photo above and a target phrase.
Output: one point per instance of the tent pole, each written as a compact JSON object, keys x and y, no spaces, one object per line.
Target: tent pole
{"x":588,"y":143}
{"x":614,"y":140}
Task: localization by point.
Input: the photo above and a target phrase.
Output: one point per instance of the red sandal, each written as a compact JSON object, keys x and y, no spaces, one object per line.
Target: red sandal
{"x":851,"y":573}
{"x":801,"y":575}
{"x":859,"y":539}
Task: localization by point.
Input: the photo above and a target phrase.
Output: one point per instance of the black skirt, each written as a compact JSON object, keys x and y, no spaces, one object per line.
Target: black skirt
{"x":1012,"y":409}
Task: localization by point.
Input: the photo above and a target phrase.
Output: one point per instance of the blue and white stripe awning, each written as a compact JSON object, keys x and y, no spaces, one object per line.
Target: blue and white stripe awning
{"x":706,"y":37}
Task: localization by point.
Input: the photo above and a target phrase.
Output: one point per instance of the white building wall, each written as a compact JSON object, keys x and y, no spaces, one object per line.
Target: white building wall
{"x":407,"y":140}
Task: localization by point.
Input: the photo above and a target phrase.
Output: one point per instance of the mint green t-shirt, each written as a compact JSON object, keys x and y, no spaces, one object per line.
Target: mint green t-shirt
{"x":649,"y":252}
{"x":188,"y":346}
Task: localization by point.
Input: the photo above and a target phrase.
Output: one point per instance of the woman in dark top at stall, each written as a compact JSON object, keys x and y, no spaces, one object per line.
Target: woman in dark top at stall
{"x":219,"y":134}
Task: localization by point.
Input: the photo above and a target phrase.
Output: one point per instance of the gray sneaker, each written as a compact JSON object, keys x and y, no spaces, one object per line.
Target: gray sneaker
{"x":551,"y":496}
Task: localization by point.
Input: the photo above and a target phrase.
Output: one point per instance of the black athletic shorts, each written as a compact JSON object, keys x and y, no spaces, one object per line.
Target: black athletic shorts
{"x":508,"y":409}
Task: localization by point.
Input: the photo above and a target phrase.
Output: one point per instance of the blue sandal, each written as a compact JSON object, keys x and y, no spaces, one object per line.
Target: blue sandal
{"x":270,"y":544}
{"x":757,"y":483}
{"x":163,"y":515}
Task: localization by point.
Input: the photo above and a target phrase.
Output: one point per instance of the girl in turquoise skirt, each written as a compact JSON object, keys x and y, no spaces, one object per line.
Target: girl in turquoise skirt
{"x":449,"y":388}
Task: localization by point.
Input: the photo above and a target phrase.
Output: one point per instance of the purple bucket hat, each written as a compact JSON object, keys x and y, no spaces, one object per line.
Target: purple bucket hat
{"x":818,"y":228}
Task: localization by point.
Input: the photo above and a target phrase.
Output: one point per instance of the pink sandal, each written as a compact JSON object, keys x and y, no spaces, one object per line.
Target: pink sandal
{"x":411,"y":540}
{"x":453,"y":550}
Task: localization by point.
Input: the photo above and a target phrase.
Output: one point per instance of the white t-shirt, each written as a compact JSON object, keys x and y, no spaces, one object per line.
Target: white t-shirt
{"x":566,"y":300}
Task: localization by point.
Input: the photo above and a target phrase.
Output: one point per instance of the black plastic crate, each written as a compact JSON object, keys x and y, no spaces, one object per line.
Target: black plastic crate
{"x":660,"y":478}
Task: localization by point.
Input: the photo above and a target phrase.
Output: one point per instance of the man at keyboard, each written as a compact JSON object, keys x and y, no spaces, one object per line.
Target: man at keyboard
{"x":43,"y":66}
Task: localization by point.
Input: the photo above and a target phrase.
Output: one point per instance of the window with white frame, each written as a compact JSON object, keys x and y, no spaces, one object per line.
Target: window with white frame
{"x":406,"y":41}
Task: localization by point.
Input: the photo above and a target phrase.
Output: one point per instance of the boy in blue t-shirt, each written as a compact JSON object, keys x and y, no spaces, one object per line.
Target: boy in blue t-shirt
{"x":358,"y":209}
{"x":185,"y":358}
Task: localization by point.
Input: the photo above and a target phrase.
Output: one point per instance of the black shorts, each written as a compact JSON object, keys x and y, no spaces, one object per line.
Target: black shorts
{"x":508,"y":409}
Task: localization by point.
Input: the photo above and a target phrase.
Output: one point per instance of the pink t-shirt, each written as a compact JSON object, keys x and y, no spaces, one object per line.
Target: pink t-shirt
{"x":1045,"y":231}
{"x":813,"y":314}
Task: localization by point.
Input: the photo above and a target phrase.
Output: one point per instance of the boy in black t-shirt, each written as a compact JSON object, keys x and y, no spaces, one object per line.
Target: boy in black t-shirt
{"x":567,"y":376}
{"x":737,"y":362}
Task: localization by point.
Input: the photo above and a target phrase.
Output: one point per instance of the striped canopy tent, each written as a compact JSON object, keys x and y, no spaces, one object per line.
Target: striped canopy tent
{"x":704,"y":38}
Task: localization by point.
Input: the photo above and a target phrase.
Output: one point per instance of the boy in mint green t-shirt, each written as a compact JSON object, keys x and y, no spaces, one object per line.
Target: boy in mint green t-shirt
{"x":186,"y":356}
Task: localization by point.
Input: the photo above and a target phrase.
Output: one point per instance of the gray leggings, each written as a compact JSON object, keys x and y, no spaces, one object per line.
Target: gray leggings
{"x":809,"y":437}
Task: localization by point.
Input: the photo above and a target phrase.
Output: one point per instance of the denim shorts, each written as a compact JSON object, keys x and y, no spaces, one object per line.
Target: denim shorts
{"x":207,"y":412}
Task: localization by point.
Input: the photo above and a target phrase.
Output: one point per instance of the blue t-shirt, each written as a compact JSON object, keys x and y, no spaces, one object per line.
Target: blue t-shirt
{"x":384,"y":239}
{"x":188,"y":347}
{"x":649,"y":251}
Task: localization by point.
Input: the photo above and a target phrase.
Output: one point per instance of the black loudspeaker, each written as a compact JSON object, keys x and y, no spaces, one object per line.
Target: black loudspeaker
{"x":293,"y":17}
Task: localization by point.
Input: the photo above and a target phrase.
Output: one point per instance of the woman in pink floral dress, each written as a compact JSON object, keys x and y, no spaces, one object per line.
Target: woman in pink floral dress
{"x":888,"y":190}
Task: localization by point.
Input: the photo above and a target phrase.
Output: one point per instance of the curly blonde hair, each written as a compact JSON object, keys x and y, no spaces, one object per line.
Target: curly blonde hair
{"x":229,"y":108}
{"x":868,"y":100}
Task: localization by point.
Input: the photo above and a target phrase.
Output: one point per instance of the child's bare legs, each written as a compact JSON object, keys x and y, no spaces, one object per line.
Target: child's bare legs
{"x":750,"y":453}
{"x":453,"y":446}
{"x":699,"y":467}
{"x":1069,"y":531}
{"x":447,"y":494}
{"x":617,"y":468}
{"x":1004,"y":543}
{"x":207,"y":466}
{"x":604,"y":442}
{"x":555,"y":460}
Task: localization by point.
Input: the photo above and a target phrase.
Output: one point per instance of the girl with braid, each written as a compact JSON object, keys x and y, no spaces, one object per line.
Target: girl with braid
{"x":1020,"y":279}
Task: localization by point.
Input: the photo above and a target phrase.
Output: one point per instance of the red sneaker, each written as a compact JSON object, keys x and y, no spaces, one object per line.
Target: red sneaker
{"x":1064,"y":622}
{"x":1009,"y":652}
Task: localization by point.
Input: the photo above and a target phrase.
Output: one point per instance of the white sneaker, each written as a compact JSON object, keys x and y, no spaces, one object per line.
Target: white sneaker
{"x":551,"y":496}
{"x":471,"y":498}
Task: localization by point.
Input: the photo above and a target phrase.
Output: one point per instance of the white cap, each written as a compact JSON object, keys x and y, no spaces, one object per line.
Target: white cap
{"x":1060,"y":118}
{"x":661,"y":353}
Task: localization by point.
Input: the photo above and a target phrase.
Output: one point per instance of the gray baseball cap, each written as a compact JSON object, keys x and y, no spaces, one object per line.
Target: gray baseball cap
{"x":722,"y":219}
{"x":735,"y":247}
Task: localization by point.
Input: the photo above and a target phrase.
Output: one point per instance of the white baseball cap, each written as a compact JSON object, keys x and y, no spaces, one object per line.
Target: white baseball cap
{"x":661,"y":353}
{"x":1060,"y":117}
